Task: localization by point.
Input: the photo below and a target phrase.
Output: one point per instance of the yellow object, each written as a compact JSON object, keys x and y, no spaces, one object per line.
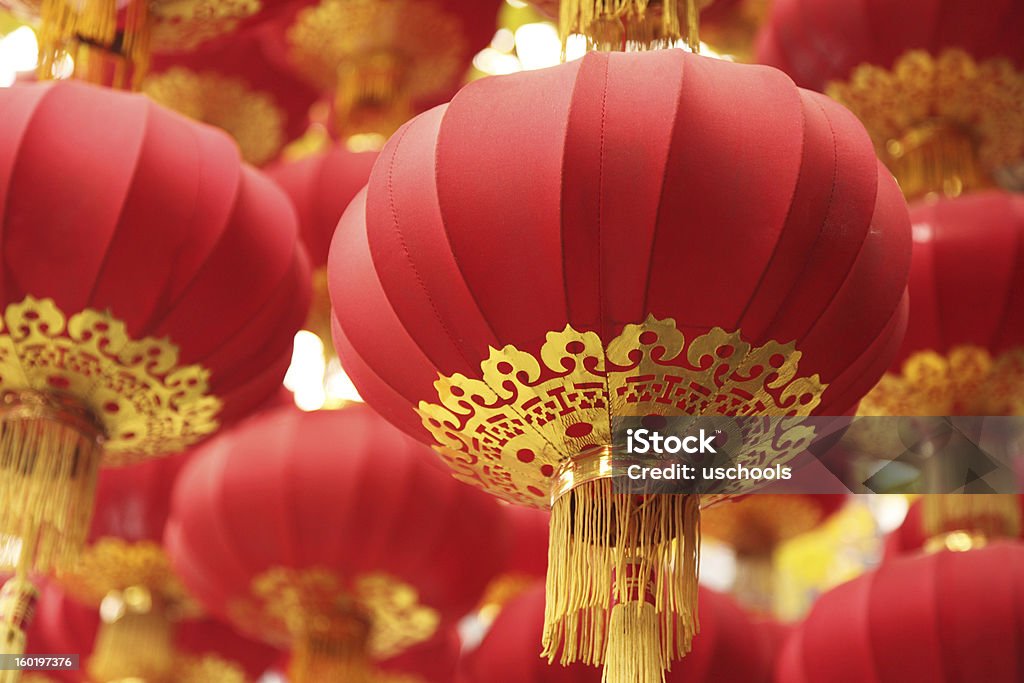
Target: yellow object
{"x":619,"y":25}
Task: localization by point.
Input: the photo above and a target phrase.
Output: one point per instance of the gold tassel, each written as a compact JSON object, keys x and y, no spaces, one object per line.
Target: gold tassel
{"x":17,"y":606}
{"x":597,"y":535}
{"x":57,"y":27}
{"x":754,"y":586}
{"x":50,"y":453}
{"x":370,"y":99}
{"x":136,"y":45}
{"x":634,"y":646}
{"x":134,"y":640}
{"x":966,"y":521}
{"x":320,"y":658}
{"x":936,"y":157}
{"x":622,"y":25}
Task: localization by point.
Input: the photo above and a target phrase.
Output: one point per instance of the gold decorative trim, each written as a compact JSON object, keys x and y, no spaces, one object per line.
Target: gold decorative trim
{"x":294,"y":604}
{"x":145,"y":401}
{"x":966,"y":381}
{"x":512,"y":430}
{"x":250,"y":116}
{"x":942,"y":123}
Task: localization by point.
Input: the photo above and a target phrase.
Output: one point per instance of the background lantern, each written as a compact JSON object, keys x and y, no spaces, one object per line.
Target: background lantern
{"x":548,"y":232}
{"x":964,"y":349}
{"x":754,"y":527}
{"x":911,"y":536}
{"x":379,"y":551}
{"x":938,"y":84}
{"x":232,"y":85}
{"x":131,"y":338}
{"x":732,"y":647}
{"x":937,"y":617}
{"x":382,"y":60}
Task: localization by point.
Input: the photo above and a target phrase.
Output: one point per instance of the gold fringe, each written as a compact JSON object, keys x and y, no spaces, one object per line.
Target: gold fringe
{"x":370,"y":98}
{"x":597,"y":535}
{"x":623,"y":25}
{"x":134,"y":640}
{"x":17,"y":606}
{"x":319,"y":658}
{"x":50,"y":453}
{"x":965,"y":521}
{"x":936,"y":158}
{"x":634,"y":652}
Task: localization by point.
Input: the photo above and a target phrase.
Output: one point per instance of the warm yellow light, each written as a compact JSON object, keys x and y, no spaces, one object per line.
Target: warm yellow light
{"x":494,"y":63}
{"x":538,"y":45}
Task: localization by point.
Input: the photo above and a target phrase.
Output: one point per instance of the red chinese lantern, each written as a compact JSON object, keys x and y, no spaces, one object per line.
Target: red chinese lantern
{"x":208,"y":651}
{"x":112,"y":42}
{"x":976,"y":529}
{"x":321,"y":187}
{"x":945,"y":616}
{"x":527,"y":558}
{"x":132,"y":338}
{"x":754,"y":526}
{"x":521,"y":253}
{"x":383,"y":60}
{"x":938,"y":84}
{"x":232,"y":85}
{"x":328,"y":533}
{"x":964,"y":349}
{"x":731,"y":648}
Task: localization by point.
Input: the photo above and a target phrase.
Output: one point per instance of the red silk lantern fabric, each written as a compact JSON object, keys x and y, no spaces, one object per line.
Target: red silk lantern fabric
{"x":731,"y":647}
{"x":817,"y":41}
{"x":335,"y":494}
{"x":946,"y":616}
{"x":566,"y":207}
{"x":151,"y":217}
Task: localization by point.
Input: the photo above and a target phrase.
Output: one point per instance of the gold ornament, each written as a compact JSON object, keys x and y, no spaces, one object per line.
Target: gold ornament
{"x":619,"y":25}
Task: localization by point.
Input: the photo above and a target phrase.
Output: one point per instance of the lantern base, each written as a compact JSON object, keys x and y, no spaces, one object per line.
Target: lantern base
{"x":135,"y":638}
{"x":369,"y":98}
{"x":598,"y":535}
{"x":974,"y":518}
{"x":50,"y":453}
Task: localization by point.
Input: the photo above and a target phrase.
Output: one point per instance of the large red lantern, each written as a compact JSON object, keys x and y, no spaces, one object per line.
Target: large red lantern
{"x":732,"y":648}
{"x":938,"y":84}
{"x":382,"y":60}
{"x":939,"y":617}
{"x":132,"y":338}
{"x":234,"y":86}
{"x":964,"y":349}
{"x":327,"y":533}
{"x":554,"y":247}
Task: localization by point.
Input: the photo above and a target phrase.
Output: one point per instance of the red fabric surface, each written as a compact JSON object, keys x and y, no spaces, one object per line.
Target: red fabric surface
{"x":816,"y":41}
{"x":607,"y":189}
{"x":321,"y":187}
{"x":133,"y":502}
{"x":210,"y":637}
{"x":152,"y":217}
{"x":340,"y":490}
{"x":528,"y":532}
{"x":952,"y":617}
{"x":729,"y":648}
{"x":61,"y":627}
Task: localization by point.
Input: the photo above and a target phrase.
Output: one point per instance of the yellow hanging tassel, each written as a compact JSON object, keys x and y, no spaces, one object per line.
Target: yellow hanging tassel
{"x":936,"y":157}
{"x":337,"y":653}
{"x":621,"y":25}
{"x":634,"y":646}
{"x":50,"y":453}
{"x":598,"y":535}
{"x":57,"y":27}
{"x":134,"y":640}
{"x":370,"y":99}
{"x":17,"y":606}
{"x":966,"y":521}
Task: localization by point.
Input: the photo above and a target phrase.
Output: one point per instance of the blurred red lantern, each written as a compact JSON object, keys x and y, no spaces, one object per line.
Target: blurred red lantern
{"x":382,"y":60}
{"x":527,"y":558}
{"x":232,"y":85}
{"x":521,"y":253}
{"x":967,"y":532}
{"x":329,"y":534}
{"x":938,"y":84}
{"x":754,"y":526}
{"x":964,"y":349}
{"x":208,"y":651}
{"x":131,"y":339}
{"x":731,"y":647}
{"x":946,"y":616}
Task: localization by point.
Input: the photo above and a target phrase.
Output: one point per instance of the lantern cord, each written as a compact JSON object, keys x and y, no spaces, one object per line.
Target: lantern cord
{"x":937,"y":157}
{"x":623,"y":25}
{"x":135,"y":639}
{"x":966,"y":521}
{"x":598,"y":535}
{"x":369,"y":98}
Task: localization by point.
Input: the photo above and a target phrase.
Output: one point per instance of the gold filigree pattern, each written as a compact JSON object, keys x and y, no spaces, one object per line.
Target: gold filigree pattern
{"x":185,"y":24}
{"x":113,"y":564}
{"x":511,"y":430}
{"x":966,"y":381}
{"x":289,"y":603}
{"x":250,"y":116}
{"x":924,"y":98}
{"x":145,"y":401}
{"x":426,"y":40}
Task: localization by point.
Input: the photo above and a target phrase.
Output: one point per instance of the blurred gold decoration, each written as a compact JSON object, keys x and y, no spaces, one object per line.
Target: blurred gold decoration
{"x":964,"y":522}
{"x":208,"y":669}
{"x":942,"y":124}
{"x":135,"y":638}
{"x":251,"y":117}
{"x":732,"y":31}
{"x":616,"y":25}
